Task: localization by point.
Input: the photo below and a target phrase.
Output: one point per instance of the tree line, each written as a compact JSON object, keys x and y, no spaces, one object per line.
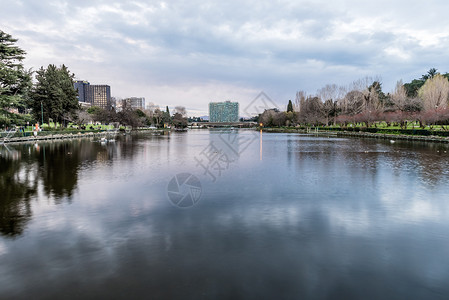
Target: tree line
{"x":53,"y":97}
{"x":128,"y":115}
{"x":423,"y":100}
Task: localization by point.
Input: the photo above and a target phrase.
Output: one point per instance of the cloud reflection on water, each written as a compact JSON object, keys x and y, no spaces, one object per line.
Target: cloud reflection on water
{"x":317,"y":218}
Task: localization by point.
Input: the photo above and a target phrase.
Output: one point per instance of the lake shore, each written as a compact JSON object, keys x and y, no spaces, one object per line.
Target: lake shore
{"x":386,"y":136}
{"x":54,"y":135}
{"x":99,"y":134}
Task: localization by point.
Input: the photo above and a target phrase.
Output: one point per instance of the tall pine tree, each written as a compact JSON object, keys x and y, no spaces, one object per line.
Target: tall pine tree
{"x":290,"y":106}
{"x":166,"y":118}
{"x":15,"y":81}
{"x":54,"y":93}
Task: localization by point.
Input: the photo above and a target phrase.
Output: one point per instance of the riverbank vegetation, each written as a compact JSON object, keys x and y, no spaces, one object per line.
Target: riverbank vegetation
{"x":421,"y":103}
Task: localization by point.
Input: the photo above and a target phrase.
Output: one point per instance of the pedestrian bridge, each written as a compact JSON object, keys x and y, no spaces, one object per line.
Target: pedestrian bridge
{"x":224,"y":124}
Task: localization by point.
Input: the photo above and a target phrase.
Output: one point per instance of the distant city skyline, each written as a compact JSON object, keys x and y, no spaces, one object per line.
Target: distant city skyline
{"x":189,"y":54}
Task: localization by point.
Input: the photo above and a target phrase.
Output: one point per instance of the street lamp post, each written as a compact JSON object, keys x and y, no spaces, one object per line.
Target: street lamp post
{"x":42,"y":114}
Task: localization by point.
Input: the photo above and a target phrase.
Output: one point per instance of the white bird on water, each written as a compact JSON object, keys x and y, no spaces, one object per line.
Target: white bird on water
{"x":392,"y":141}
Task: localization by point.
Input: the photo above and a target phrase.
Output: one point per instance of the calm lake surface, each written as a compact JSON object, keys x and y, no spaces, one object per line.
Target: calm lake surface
{"x":278,"y":216}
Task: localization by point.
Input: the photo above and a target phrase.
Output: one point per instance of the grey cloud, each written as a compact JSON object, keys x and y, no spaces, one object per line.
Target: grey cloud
{"x":242,"y":43}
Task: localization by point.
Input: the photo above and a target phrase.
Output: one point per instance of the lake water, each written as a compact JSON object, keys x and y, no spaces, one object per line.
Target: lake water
{"x":224,"y":215}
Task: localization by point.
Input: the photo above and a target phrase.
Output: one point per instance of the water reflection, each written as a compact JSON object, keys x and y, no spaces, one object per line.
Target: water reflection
{"x":55,"y":165}
{"x":316,"y":218}
{"x":18,"y":184}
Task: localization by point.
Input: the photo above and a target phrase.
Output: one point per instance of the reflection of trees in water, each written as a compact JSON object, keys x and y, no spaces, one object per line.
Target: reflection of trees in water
{"x":53,"y":164}
{"x":60,"y":162}
{"x":328,"y":157}
{"x":425,"y":161}
{"x":434,"y":166}
{"x":130,"y":145}
{"x":433,"y":169}
{"x":58,"y":168}
{"x":18,"y":184}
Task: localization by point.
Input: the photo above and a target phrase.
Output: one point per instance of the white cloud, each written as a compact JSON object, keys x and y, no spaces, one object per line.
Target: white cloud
{"x":396,"y":52}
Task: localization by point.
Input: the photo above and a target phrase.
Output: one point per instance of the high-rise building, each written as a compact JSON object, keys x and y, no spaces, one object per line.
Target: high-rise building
{"x":80,"y":86}
{"x":224,"y":111}
{"x":95,"y":95}
{"x":99,"y":95}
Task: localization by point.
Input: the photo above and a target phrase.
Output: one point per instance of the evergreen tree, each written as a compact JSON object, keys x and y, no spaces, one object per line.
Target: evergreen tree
{"x":412,"y":87}
{"x":15,"y":81}
{"x":166,"y":118}
{"x":290,"y":106}
{"x":54,"y":93}
{"x":430,"y":74}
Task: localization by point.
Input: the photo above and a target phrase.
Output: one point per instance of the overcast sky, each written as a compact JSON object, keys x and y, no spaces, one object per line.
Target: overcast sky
{"x":193,"y":52}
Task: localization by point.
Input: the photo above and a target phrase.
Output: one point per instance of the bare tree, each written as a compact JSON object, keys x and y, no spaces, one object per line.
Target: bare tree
{"x":79,"y":117}
{"x":299,"y":100}
{"x":270,"y":117}
{"x":363,"y":84}
{"x":372,"y":95}
{"x":399,"y":96}
{"x":149,"y":113}
{"x":353,"y":102}
{"x":434,"y":93}
{"x":151,"y":106}
{"x":158,"y":116}
{"x":280,"y":118}
{"x":329,"y":94}
{"x":329,"y":91}
{"x":311,"y":111}
{"x":83,"y":117}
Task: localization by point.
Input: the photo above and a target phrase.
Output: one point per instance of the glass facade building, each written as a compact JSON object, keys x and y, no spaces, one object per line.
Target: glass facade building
{"x":224,"y":111}
{"x":81,"y":86}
